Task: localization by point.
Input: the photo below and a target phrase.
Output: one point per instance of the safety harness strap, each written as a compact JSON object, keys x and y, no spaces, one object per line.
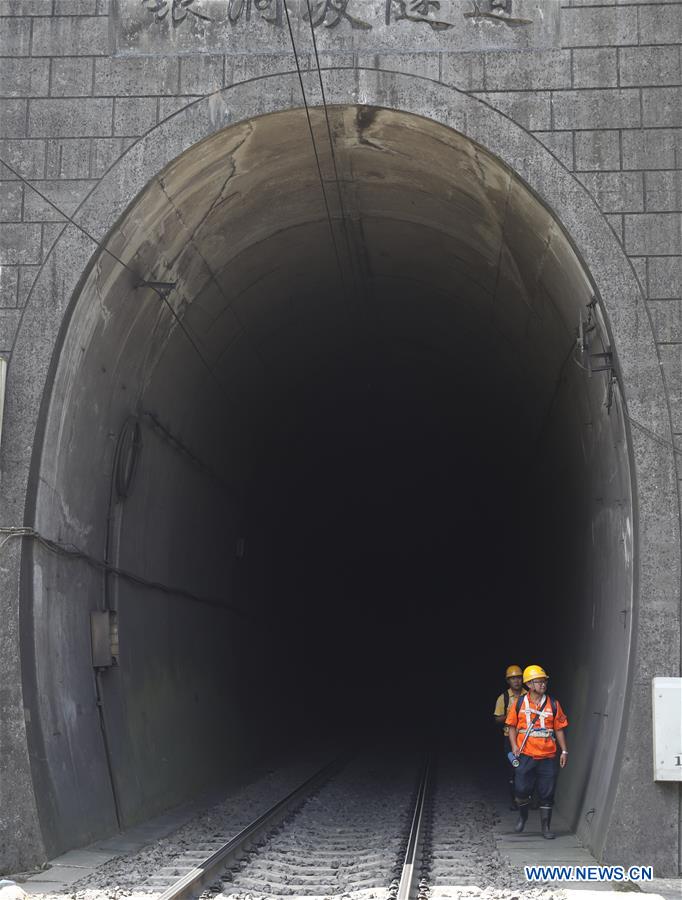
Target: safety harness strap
{"x":532,"y":716}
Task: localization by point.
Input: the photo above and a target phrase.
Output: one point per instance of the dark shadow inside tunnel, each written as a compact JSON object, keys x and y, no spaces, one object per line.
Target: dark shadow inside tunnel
{"x":372,"y":473}
{"x":384,"y":516}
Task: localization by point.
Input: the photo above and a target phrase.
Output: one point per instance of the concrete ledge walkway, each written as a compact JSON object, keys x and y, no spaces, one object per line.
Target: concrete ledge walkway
{"x":70,"y":867}
{"x":530,"y":849}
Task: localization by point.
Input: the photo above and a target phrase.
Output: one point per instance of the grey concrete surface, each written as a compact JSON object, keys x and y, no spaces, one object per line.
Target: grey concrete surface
{"x":64,"y":870}
{"x":530,"y":849}
{"x":588,"y":115}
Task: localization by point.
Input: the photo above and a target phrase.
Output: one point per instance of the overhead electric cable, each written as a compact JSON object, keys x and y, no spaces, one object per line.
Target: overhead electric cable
{"x":659,"y":439}
{"x":315,"y":151}
{"x":75,"y":553}
{"x":159,"y":288}
{"x":332,"y":149}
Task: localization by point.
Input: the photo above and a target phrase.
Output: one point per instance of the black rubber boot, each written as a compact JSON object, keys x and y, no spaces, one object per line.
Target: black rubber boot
{"x":546,"y":820}
{"x":523,"y":815}
{"x":512,"y":798}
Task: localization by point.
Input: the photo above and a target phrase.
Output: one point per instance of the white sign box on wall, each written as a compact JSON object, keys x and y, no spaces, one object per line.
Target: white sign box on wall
{"x":667,"y":709}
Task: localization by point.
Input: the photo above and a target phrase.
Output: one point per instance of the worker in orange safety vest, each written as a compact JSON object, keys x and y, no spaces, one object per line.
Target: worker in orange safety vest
{"x":514,"y":690}
{"x":536,"y":725}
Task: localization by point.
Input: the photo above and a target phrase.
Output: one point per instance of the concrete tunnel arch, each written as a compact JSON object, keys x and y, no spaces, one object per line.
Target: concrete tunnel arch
{"x":158,"y":368}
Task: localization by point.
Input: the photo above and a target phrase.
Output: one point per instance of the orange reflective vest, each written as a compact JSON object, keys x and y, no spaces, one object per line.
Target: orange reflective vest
{"x":543,"y":726}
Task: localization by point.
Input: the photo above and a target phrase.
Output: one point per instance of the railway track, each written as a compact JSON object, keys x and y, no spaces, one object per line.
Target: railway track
{"x":367,"y":828}
{"x":349,"y":828}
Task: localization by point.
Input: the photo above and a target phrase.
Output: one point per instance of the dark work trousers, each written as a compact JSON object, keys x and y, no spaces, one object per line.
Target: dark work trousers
{"x":509,"y":769}
{"x":536,"y":773}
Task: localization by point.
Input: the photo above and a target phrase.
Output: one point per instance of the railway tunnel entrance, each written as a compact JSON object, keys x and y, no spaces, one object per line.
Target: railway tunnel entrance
{"x":343,"y":461}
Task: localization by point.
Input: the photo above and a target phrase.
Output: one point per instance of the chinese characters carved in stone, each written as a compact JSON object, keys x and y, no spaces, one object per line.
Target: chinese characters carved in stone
{"x":333,"y":13}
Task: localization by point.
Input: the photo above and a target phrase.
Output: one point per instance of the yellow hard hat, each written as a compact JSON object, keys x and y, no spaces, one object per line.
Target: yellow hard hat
{"x":512,"y":670}
{"x":531,"y":672}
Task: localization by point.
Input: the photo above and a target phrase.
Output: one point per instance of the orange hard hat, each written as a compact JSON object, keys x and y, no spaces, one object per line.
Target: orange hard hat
{"x":532,"y":672}
{"x":512,"y":670}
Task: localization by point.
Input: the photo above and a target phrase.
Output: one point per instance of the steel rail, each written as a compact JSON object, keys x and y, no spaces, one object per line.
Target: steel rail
{"x":195,"y":881}
{"x":408,"y":886}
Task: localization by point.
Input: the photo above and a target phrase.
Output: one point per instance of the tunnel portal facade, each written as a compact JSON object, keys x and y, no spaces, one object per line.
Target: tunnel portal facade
{"x":219,"y":285}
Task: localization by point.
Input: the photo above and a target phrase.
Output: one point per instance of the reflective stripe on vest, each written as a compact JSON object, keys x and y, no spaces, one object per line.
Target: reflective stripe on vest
{"x":541,"y":733}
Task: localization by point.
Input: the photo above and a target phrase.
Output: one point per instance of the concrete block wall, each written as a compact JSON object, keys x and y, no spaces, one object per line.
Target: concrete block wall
{"x":608,"y":104}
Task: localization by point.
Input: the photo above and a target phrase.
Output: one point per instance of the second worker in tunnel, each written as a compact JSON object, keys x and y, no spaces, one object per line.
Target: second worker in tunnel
{"x":515,"y":689}
{"x":536,"y":725}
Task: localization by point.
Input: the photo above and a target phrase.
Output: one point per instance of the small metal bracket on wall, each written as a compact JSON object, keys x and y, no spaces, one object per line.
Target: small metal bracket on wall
{"x":594,"y":363}
{"x":607,"y":357}
{"x":161,"y":288}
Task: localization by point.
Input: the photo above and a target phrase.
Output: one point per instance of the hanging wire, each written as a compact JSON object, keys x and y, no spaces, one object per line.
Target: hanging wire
{"x":664,"y":442}
{"x":332,"y":148}
{"x":157,"y":426}
{"x":315,"y":151}
{"x":161,"y":289}
{"x":71,"y":551}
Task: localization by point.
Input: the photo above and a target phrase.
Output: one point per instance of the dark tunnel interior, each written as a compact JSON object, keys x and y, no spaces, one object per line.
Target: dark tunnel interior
{"x":385,"y":508}
{"x":367,"y":439}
